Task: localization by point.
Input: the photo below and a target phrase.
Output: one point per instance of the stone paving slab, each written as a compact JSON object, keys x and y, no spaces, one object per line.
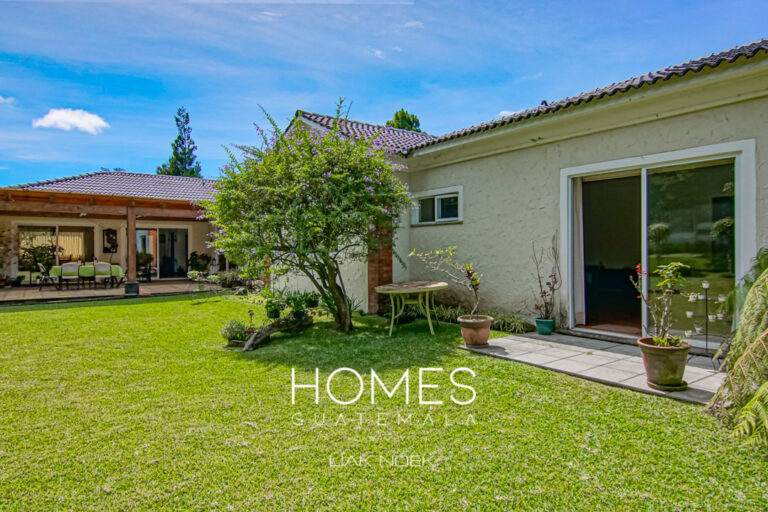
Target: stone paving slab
{"x":615,"y":364}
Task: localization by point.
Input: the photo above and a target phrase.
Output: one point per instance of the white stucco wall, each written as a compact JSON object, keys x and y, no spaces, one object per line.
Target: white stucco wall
{"x":354,"y":273}
{"x":511,"y":196}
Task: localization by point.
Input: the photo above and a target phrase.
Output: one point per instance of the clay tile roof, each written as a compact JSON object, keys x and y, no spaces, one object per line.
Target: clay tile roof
{"x":129,"y":184}
{"x":394,"y":139}
{"x":714,"y":60}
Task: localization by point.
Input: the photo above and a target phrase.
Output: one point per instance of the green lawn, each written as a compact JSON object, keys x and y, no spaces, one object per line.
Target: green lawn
{"x":136,"y":404}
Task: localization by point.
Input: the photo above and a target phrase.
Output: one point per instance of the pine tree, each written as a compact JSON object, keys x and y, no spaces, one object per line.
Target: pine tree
{"x":405,"y":120}
{"x":182,"y":161}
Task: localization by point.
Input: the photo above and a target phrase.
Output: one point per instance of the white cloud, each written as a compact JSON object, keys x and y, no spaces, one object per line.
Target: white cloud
{"x":413,"y":24}
{"x":532,"y":77}
{"x":379,"y":54}
{"x":68,"y":119}
{"x":267,"y":16}
{"x":505,"y":113}
{"x":7,"y":100}
{"x":397,"y":49}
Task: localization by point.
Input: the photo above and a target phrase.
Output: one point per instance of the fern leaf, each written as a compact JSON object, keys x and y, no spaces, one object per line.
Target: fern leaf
{"x":752,"y":425}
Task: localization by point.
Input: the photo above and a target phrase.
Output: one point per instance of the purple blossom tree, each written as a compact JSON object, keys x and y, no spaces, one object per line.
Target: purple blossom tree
{"x":304,"y":202}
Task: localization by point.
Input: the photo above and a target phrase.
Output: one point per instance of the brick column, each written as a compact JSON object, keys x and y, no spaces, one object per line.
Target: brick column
{"x":379,"y":272}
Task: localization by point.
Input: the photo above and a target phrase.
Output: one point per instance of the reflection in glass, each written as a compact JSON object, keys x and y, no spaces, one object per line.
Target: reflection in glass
{"x":691,"y":219}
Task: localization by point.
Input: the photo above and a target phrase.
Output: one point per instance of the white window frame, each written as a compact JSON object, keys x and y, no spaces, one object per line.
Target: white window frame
{"x":436,"y":195}
{"x":745,"y":202}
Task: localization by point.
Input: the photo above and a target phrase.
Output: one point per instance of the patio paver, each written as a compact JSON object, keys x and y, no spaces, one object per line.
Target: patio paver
{"x":615,"y":364}
{"x":31,"y":294}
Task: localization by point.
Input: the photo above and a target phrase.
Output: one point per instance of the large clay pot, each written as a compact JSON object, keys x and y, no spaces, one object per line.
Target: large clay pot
{"x":475,"y":329}
{"x":664,"y":366}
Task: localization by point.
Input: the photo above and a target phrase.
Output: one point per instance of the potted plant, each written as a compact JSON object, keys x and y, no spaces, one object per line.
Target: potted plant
{"x":311,"y":300}
{"x":296,"y":302}
{"x":236,"y":333}
{"x":664,"y":355}
{"x":475,"y":328}
{"x":544,"y":302}
{"x":273,"y":308}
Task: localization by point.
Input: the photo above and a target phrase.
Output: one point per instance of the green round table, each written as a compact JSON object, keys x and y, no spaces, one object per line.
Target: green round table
{"x":420,"y":293}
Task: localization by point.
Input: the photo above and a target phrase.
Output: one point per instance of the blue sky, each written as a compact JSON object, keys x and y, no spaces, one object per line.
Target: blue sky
{"x":128,"y":65}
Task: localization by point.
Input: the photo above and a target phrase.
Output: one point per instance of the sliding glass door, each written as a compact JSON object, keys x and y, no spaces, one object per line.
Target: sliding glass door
{"x":691,"y":219}
{"x":655,"y":216}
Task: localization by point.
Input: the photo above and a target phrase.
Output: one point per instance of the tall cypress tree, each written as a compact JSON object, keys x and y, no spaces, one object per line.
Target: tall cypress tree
{"x":182,"y":161}
{"x":405,"y":120}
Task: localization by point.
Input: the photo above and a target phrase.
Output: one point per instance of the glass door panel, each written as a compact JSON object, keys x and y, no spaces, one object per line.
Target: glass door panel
{"x":691,"y":219}
{"x":146,"y":252}
{"x":173,"y":252}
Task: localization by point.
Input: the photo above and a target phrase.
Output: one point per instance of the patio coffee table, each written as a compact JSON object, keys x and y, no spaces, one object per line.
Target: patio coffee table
{"x":420,"y":293}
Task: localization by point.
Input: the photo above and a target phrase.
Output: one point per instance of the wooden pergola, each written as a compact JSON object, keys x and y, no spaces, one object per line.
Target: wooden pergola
{"x":75,"y":205}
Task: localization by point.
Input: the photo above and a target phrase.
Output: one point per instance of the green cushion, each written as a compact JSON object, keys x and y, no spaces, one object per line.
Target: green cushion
{"x":87,"y":271}
{"x":117,"y":271}
{"x":56,"y":271}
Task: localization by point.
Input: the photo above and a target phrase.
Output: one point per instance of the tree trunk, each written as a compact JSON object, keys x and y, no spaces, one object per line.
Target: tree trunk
{"x":289,"y":323}
{"x":343,"y":315}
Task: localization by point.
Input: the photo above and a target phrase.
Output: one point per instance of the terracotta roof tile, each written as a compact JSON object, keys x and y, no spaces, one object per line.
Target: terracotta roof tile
{"x":129,"y":184}
{"x":395,"y":139}
{"x":692,"y":66}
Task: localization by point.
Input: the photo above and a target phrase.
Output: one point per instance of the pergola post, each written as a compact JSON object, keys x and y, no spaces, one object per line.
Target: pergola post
{"x":130,"y":273}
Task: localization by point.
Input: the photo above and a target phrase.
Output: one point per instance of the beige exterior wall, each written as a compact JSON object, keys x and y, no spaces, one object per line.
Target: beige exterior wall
{"x":354,"y":273}
{"x":511,"y":176}
{"x":198,"y":234}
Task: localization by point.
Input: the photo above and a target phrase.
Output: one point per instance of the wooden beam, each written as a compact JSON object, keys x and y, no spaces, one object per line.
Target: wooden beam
{"x":33,"y":207}
{"x":130,"y":274}
{"x":166,"y":213}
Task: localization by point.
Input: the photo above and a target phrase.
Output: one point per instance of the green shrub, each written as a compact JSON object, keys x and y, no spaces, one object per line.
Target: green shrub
{"x":235,"y":330}
{"x":230,"y":279}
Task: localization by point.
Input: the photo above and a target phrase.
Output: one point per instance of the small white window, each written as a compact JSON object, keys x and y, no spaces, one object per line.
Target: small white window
{"x":436,"y":206}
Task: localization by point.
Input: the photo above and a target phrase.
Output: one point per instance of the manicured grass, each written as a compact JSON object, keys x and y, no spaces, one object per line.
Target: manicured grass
{"x":135,"y":404}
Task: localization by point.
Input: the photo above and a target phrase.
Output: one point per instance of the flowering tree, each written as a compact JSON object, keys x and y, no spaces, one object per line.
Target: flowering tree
{"x":304,"y":202}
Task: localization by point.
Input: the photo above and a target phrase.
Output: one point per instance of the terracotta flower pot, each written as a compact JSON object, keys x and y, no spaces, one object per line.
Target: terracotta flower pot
{"x":475,"y":329}
{"x":664,"y":366}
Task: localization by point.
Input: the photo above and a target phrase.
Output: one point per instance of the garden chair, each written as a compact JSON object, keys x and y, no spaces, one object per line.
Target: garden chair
{"x":103,"y":272}
{"x":45,"y":276}
{"x":87,"y":273}
{"x":118,"y":276}
{"x":70,"y":272}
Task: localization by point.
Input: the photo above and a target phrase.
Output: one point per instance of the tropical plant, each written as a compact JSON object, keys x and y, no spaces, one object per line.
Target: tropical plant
{"x":660,"y":308}
{"x":747,"y":357}
{"x":752,"y":425}
{"x":304,"y":202}
{"x":548,"y":280}
{"x":182,"y":161}
{"x":405,"y":120}
{"x":735,"y":299}
{"x":461,"y":273}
